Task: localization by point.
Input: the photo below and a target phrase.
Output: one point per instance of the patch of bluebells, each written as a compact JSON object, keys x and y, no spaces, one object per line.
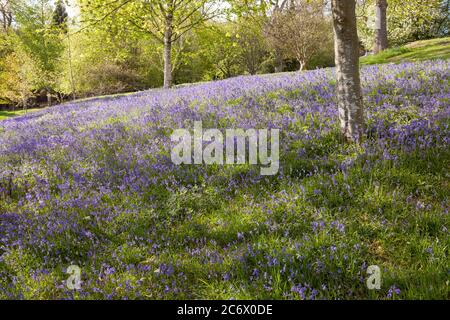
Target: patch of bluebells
{"x":393,"y":292}
{"x":91,"y":183}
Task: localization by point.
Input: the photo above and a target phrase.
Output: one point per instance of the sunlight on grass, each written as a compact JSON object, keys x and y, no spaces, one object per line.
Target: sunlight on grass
{"x":416,"y":51}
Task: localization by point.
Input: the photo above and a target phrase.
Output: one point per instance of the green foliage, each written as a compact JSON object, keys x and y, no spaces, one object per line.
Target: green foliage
{"x":407,"y":20}
{"x":220,"y":50}
{"x":60,"y":16}
{"x":253,"y":46}
{"x":106,"y":61}
{"x":17,"y":71}
{"x":41,"y":40}
{"x":119,"y":48}
{"x":30,"y":58}
{"x":224,"y":51}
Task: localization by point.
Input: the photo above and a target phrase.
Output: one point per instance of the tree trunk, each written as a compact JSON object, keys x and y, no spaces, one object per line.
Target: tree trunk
{"x":72,"y":82}
{"x":278,"y":61}
{"x":381,"y":37}
{"x":350,"y":105}
{"x":302,"y":65}
{"x":168,"y":34}
{"x":4,"y":20}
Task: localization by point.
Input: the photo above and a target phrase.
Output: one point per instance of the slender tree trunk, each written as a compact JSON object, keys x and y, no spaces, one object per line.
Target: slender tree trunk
{"x":4,"y":20}
{"x":72,"y":83}
{"x":381,"y":37}
{"x":168,"y":33}
{"x":278,"y":53}
{"x":351,"y":113}
{"x":302,"y":64}
{"x":278,"y":61}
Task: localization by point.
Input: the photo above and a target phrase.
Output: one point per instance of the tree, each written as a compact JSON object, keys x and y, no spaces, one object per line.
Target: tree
{"x":223,"y":51}
{"x":350,"y":105}
{"x":165,"y":20}
{"x":381,"y":33}
{"x":265,"y":13}
{"x":253,"y":48}
{"x":407,"y":20}
{"x":30,"y":53}
{"x":277,"y":7}
{"x":417,"y":20}
{"x":301,"y":31}
{"x":38,"y":37}
{"x":17,"y":73}
{"x":109,"y":58}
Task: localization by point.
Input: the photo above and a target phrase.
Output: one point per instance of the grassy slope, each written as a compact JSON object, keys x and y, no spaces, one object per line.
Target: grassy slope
{"x":415,"y":51}
{"x":383,"y":210}
{"x":19,"y":112}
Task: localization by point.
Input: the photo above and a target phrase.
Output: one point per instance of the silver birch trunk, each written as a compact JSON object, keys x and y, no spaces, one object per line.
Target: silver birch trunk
{"x":350,"y":104}
{"x":168,"y":34}
{"x":381,"y":36}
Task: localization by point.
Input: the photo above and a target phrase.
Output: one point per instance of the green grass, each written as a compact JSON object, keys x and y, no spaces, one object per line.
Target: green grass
{"x":415,"y":51}
{"x":20,"y":112}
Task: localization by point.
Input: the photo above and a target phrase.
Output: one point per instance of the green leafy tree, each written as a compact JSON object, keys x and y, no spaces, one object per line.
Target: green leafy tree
{"x":41,"y":41}
{"x":165,"y":20}
{"x":252,"y":45}
{"x":17,"y":72}
{"x":407,"y":21}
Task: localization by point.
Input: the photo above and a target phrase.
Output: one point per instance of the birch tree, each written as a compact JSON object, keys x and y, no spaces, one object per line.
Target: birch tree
{"x":165,"y":20}
{"x":168,"y":20}
{"x":350,"y":104}
{"x":301,"y":31}
{"x":381,"y":32}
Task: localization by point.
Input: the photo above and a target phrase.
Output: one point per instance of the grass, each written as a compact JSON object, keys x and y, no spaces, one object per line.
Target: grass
{"x":415,"y":51}
{"x":19,"y":112}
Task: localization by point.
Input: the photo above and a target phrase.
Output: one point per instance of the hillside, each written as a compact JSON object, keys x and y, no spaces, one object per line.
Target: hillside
{"x":416,"y":51}
{"x":412,"y":52}
{"x":4,"y":114}
{"x":92,"y":183}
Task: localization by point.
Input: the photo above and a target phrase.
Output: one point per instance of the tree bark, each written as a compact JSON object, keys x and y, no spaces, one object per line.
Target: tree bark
{"x":350,"y":104}
{"x":168,"y":34}
{"x":381,"y":36}
{"x":302,"y":64}
{"x":6,"y":17}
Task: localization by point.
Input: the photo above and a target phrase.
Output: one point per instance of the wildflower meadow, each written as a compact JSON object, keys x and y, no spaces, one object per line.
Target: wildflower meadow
{"x":91,"y":184}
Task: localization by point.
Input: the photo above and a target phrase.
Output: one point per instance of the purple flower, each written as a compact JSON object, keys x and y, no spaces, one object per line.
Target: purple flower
{"x":393,"y":291}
